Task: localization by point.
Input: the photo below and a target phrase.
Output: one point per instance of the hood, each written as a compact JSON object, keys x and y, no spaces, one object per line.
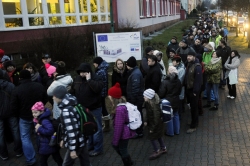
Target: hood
{"x":68,"y":100}
{"x":115,"y":66}
{"x":104,"y":65}
{"x":84,"y":67}
{"x":3,"y":84}
{"x":209,"y":47}
{"x":64,"y":79}
{"x":46,"y":114}
{"x":156,"y":99}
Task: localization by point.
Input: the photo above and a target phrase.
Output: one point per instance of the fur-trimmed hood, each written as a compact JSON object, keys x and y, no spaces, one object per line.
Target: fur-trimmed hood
{"x":115,"y":66}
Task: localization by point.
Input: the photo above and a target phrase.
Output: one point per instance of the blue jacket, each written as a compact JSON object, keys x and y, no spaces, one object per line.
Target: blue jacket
{"x":44,"y":134}
{"x":102,"y":71}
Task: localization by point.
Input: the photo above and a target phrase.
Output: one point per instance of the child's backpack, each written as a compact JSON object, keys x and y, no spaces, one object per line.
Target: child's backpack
{"x":134,"y":116}
{"x":167,"y":111}
{"x":88,"y":123}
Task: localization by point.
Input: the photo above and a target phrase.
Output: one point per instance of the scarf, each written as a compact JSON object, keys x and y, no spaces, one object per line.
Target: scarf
{"x":35,"y":76}
{"x":215,"y":60}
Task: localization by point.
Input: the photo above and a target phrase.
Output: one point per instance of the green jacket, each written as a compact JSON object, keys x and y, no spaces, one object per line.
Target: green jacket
{"x":206,"y":57}
{"x":216,"y":41}
{"x":213,"y":72}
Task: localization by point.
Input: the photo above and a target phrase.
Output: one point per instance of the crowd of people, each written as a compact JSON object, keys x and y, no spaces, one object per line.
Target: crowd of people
{"x":198,"y":66}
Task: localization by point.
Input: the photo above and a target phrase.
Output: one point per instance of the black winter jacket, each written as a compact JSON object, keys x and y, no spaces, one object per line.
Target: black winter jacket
{"x":170,"y":89}
{"x":153,"y":78}
{"x":88,"y":92}
{"x":6,"y":89}
{"x":224,"y":53}
{"x":171,"y":46}
{"x":121,"y":78}
{"x":25,"y":96}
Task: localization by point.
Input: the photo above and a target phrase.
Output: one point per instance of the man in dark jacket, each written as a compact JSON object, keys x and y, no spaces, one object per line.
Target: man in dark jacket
{"x":174,"y":45}
{"x":224,"y":52}
{"x":23,"y":98}
{"x":135,"y":89}
{"x":153,"y":78}
{"x":7,"y":119}
{"x":198,"y":48}
{"x":184,"y":50}
{"x":193,"y":82}
{"x":144,"y":62}
{"x":87,"y":88}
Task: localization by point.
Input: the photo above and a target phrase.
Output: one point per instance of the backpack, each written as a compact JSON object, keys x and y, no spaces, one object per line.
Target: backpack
{"x":88,"y":124}
{"x":134,"y":116}
{"x":167,"y":111}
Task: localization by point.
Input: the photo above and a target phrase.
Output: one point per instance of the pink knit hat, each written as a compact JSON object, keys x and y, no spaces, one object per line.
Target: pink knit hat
{"x":50,"y":69}
{"x":38,"y":106}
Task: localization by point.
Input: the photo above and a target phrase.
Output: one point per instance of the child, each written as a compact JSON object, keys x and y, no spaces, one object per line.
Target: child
{"x":154,"y":122}
{"x":44,"y":130}
{"x":122,"y":133}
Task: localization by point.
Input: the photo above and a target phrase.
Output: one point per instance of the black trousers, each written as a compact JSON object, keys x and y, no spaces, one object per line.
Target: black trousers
{"x":104,"y":110}
{"x":231,"y":89}
{"x":194,"y":100}
{"x":56,"y":156}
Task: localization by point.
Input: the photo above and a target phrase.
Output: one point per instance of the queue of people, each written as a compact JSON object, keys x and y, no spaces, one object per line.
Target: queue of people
{"x":201,"y":63}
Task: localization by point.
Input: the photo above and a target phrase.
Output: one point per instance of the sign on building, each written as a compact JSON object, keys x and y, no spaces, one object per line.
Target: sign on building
{"x":111,"y":46}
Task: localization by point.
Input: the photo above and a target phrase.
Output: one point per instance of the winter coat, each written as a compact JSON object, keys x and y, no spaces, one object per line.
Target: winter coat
{"x":213,"y":72}
{"x":144,"y":66}
{"x":6,"y":89}
{"x":72,"y":137}
{"x":170,"y":89}
{"x":163,"y":68}
{"x":198,"y":49}
{"x":153,"y":118}
{"x":102,"y":72}
{"x":44,"y":133}
{"x":172,"y":46}
{"x":216,"y":40}
{"x":206,"y":57}
{"x":234,"y":64}
{"x":25,"y":96}
{"x":224,"y":53}
{"x":46,"y":80}
{"x":121,"y":129}
{"x":135,"y":87}
{"x":64,"y":80}
{"x":153,"y":78}
{"x":88,"y":92}
{"x":121,"y":78}
{"x":183,"y":52}
{"x":14,"y":76}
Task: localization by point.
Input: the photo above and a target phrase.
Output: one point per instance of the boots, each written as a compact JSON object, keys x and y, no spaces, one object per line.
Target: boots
{"x":127,"y":161}
{"x":106,"y":126}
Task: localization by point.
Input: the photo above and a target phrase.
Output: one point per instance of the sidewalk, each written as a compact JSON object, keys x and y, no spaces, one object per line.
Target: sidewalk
{"x":222,"y":138}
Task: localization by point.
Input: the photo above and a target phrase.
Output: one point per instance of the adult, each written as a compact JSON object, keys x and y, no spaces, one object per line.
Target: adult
{"x":153,"y":78}
{"x":226,"y":32}
{"x":183,"y":50}
{"x":170,"y":89}
{"x":12,"y":72}
{"x":22,"y":99}
{"x":35,"y":76}
{"x":193,"y":82}
{"x":101,"y":69}
{"x":174,"y":45}
{"x":232,"y":64}
{"x":144,"y":62}
{"x":224,"y":52}
{"x":120,"y":75}
{"x":87,"y":88}
{"x":158,"y":55}
{"x":215,"y":37}
{"x":198,"y":48}
{"x":7,"y":117}
{"x":1,"y":56}
{"x":190,"y":39}
{"x":135,"y":89}
{"x":213,"y":72}
{"x":172,"y":53}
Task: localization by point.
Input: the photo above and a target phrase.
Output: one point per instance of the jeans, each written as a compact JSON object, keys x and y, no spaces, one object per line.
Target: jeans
{"x":25,"y":133}
{"x":14,"y":127}
{"x":82,"y":154}
{"x":96,"y":140}
{"x":194,"y":108}
{"x":122,"y":148}
{"x":215,"y":89}
{"x":231,"y":89}
{"x":211,"y":94}
{"x":173,"y":126}
{"x":56,"y":156}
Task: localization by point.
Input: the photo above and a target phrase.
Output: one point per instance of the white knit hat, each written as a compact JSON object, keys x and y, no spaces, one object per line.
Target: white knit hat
{"x":149,"y":93}
{"x":172,"y":70}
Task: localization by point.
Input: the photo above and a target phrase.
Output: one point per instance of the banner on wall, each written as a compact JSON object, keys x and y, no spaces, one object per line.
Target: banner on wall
{"x":111,"y":46}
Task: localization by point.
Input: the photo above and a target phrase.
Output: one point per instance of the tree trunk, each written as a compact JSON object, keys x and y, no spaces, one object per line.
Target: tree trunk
{"x":227,"y":17}
{"x":248,"y":32}
{"x":237,"y":26}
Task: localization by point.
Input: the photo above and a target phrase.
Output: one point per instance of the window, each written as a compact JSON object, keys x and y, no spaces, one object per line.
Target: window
{"x":166,"y":7}
{"x":148,"y":8}
{"x":153,"y":7}
{"x":141,"y":7}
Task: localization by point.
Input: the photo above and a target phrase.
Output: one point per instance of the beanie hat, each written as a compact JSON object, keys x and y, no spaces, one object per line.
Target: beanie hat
{"x":115,"y":91}
{"x":1,"y":53}
{"x":148,"y":49}
{"x":84,"y":67}
{"x":149,"y":93}
{"x":38,"y":106}
{"x":60,"y":92}
{"x":98,"y":60}
{"x":174,"y":37}
{"x":5,"y":58}
{"x":45,"y":56}
{"x":60,"y":70}
{"x":172,"y":70}
{"x":24,"y":74}
{"x":185,"y":41}
{"x":6,"y":64}
{"x":177,"y":58}
{"x":50,"y":69}
{"x":131,"y":62}
{"x":192,"y":53}
{"x":173,"y":51}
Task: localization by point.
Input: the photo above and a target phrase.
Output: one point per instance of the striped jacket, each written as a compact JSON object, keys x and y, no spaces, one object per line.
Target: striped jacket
{"x":70,"y":119}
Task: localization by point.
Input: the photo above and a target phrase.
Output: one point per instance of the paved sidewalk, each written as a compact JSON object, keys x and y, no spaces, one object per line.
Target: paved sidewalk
{"x":222,"y":138}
